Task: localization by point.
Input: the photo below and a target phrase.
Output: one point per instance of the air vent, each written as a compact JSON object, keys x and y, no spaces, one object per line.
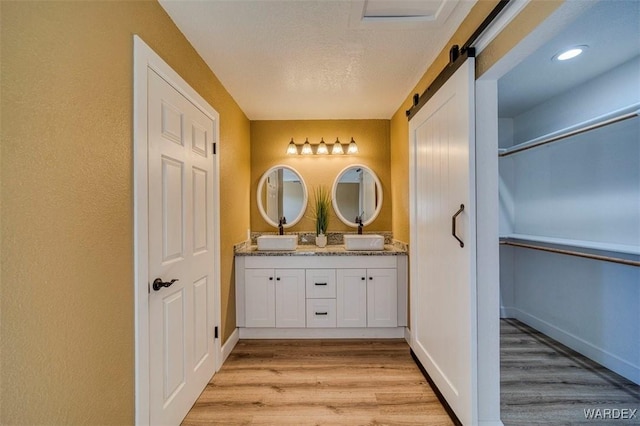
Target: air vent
{"x":402,"y":10}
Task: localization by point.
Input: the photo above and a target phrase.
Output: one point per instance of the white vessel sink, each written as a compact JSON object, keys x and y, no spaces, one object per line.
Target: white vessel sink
{"x":277,"y":242}
{"x":363,"y":242}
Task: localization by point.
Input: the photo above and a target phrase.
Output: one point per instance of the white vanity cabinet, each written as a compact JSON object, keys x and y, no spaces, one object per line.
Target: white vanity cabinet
{"x":352,"y":303}
{"x":323,"y":296}
{"x":260,"y":297}
{"x":367,"y":297}
{"x":382,"y":298}
{"x":274,"y":297}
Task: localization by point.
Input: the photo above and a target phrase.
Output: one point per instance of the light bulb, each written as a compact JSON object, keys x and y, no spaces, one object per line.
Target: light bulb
{"x":306,"y":148}
{"x":570,"y":53}
{"x":353,"y":148}
{"x":292,"y":149}
{"x":337,"y":148}
{"x":322,"y":148}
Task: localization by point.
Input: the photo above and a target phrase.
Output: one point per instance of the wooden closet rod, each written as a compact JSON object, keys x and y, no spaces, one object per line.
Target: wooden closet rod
{"x":565,"y":135}
{"x":574,"y":253}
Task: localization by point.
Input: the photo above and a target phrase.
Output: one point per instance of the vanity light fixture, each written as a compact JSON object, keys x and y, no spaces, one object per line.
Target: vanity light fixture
{"x":292,"y":149}
{"x":570,"y":53}
{"x":337,"y":148}
{"x":322,"y":148}
{"x":353,"y":148}
{"x":306,"y":148}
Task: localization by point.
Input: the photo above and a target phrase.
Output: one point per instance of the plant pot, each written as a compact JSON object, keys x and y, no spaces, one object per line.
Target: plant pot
{"x":321,"y":240}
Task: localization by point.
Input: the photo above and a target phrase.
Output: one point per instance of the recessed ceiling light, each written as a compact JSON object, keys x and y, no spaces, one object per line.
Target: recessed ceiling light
{"x":570,"y":53}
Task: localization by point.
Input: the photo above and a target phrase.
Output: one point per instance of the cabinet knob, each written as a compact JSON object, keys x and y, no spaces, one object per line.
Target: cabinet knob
{"x":270,"y":278}
{"x":371,"y":278}
{"x":278,"y":279}
{"x":363,"y":278}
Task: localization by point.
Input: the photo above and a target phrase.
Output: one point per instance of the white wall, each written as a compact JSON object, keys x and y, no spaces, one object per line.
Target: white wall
{"x":610,"y":91}
{"x":583,"y":188}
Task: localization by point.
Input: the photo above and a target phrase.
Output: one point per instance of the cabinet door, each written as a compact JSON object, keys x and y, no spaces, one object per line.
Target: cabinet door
{"x":351,"y":298}
{"x":260,"y":304}
{"x":321,"y":283}
{"x":382,"y":298}
{"x":290,"y":298}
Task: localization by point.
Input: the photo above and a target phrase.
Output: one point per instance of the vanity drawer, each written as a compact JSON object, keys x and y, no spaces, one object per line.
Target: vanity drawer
{"x":321,"y":313}
{"x":321,"y":283}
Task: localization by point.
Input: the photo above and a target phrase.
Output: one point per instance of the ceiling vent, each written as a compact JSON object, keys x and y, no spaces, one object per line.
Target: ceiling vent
{"x":403,"y":11}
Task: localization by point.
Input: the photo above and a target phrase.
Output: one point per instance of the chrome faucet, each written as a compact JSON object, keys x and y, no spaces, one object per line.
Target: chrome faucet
{"x":281,"y":222}
{"x":359,"y":222}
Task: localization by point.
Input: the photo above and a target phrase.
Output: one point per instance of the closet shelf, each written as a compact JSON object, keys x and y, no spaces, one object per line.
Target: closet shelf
{"x":592,"y":245}
{"x":617,"y":116}
{"x":533,"y":242}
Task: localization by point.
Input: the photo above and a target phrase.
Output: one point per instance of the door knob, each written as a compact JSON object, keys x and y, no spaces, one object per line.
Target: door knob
{"x":158,"y":284}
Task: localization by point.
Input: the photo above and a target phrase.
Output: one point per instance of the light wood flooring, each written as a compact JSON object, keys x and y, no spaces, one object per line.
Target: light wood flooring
{"x":319,"y":382}
{"x":544,"y":382}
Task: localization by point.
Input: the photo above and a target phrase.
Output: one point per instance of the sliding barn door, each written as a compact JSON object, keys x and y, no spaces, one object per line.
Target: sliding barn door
{"x":443,"y":252}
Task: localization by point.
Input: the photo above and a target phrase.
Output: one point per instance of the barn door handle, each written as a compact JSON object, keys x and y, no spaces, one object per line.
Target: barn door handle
{"x":158,"y":284}
{"x":453,"y":224}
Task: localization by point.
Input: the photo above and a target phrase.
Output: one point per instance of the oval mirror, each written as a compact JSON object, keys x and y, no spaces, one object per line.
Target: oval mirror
{"x":357,"y":194}
{"x":282,"y":194}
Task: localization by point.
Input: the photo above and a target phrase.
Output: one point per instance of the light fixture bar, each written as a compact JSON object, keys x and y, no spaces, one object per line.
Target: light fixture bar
{"x":322,"y":148}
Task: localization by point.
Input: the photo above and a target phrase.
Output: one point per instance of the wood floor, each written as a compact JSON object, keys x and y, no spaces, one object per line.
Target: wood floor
{"x":318,"y":382}
{"x":544,"y":382}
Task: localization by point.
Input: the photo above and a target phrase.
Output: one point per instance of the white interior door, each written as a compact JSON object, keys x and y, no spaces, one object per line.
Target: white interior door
{"x":181,"y":248}
{"x":443,"y":277}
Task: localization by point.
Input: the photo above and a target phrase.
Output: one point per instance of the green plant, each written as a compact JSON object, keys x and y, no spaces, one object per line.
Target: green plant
{"x":321,"y":206}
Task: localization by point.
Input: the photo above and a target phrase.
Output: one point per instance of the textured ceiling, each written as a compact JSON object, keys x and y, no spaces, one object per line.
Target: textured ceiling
{"x":318,"y":59}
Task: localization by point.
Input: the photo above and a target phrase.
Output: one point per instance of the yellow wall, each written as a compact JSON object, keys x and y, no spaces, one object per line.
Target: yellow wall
{"x":269,"y":140}
{"x":67,"y":326}
{"x":524,"y":23}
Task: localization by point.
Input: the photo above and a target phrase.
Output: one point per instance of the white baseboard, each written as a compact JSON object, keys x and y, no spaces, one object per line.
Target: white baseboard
{"x":322,"y":333}
{"x":588,"y":349}
{"x":506,"y":312}
{"x":490,"y":423}
{"x":408,"y":336}
{"x":229,"y":345}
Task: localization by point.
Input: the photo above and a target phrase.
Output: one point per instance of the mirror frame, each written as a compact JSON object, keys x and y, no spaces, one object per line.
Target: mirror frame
{"x":336,"y":209}
{"x":305,"y":197}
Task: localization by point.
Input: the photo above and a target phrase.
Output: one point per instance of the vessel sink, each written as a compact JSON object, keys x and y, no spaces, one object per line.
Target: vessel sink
{"x":364,"y":242}
{"x":277,"y":242}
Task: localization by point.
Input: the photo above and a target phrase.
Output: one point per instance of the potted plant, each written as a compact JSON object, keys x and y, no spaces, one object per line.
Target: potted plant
{"x":321,"y":206}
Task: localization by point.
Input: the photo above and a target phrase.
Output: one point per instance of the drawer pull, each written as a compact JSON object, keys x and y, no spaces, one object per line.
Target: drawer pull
{"x":321,"y":283}
{"x":322,"y":313}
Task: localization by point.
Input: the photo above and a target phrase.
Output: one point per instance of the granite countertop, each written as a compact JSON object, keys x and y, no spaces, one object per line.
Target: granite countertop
{"x":312,"y":250}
